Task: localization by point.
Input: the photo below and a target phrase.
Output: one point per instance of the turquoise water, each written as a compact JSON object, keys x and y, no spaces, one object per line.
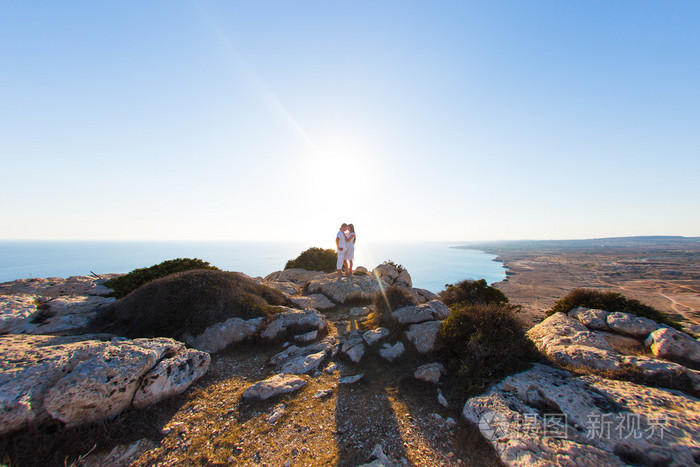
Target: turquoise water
{"x":431,"y":265}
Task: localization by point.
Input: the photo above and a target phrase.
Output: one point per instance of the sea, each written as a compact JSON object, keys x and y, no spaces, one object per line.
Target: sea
{"x":430,"y":264}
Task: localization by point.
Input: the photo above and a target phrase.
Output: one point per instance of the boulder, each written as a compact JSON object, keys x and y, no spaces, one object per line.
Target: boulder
{"x":591,"y":318}
{"x":391,"y":352}
{"x":274,"y":386}
{"x":317,"y":301}
{"x":346,"y":289}
{"x":548,"y":417}
{"x":423,"y":335}
{"x":53,"y":287}
{"x":360,"y":311}
{"x":422,"y":295}
{"x":17,"y":313}
{"x":298,"y":320}
{"x":296,"y":275}
{"x":303,"y":363}
{"x":674,"y":345}
{"x":392,"y":275}
{"x":375,"y":335}
{"x":354,"y":346}
{"x":307,"y":336}
{"x":286,"y":287}
{"x":80,"y":381}
{"x":220,"y":335}
{"x":632,"y":325}
{"x":430,"y":372}
{"x":298,"y":360}
{"x":430,"y":311}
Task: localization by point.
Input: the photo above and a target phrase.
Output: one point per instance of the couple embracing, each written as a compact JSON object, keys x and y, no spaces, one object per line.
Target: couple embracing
{"x":345,"y":245}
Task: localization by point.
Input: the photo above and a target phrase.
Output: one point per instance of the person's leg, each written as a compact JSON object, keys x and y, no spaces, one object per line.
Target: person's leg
{"x":341,"y":260}
{"x":350,"y":267}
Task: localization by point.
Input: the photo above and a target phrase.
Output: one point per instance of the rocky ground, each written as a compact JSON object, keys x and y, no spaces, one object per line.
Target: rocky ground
{"x":320,"y":383}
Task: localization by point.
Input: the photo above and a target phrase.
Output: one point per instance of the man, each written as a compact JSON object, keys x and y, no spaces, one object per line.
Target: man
{"x":340,"y":247}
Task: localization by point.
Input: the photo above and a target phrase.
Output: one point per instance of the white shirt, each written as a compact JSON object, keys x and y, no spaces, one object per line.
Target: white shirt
{"x":341,"y":239}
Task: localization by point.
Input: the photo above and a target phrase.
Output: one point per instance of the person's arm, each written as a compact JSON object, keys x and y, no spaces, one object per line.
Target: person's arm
{"x":337,"y":243}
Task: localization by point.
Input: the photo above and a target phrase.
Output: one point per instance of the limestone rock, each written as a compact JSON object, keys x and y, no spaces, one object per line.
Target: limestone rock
{"x":433,"y":310}
{"x":591,"y":318}
{"x":375,"y":335}
{"x":322,"y":393}
{"x":430,"y":372}
{"x":303,"y":363}
{"x":632,"y":325}
{"x":286,"y":287}
{"x":307,"y":336}
{"x":422,"y":295}
{"x":53,"y":287}
{"x":317,"y":301}
{"x":220,"y":335}
{"x":351,"y":379}
{"x":393,"y":275}
{"x":17,"y":313}
{"x":354,"y":346}
{"x":296,"y":275}
{"x":548,"y":417}
{"x":391,"y":352}
{"x":298,"y":360}
{"x":277,"y":412}
{"x":360,"y":311}
{"x":441,"y":399}
{"x":298,"y":319}
{"x":345,"y":289}
{"x":79,"y":381}
{"x":423,"y":335}
{"x":379,"y":459}
{"x":171,"y":376}
{"x":274,"y":386}
{"x":674,"y":345}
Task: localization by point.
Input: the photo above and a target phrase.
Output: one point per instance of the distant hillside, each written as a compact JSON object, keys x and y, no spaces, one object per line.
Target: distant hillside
{"x":647,"y":242}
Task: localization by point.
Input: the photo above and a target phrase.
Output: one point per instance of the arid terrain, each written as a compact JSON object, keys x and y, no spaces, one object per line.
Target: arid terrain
{"x":663,"y":272}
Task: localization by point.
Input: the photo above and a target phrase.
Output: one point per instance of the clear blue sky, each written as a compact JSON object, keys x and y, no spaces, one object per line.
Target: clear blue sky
{"x":414,"y":120}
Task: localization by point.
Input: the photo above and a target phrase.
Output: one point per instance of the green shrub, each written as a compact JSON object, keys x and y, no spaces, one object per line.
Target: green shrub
{"x":392,"y":298}
{"x":188,"y":302}
{"x":314,"y":259}
{"x":483,"y":343}
{"x":127,"y":283}
{"x":609,"y":301}
{"x":399,"y":267}
{"x":470,"y":292}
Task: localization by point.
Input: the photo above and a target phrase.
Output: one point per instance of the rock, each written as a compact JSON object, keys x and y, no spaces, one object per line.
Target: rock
{"x":422,"y":295}
{"x":391,"y":352}
{"x":423,"y":335}
{"x":625,"y":345}
{"x":360,"y":311}
{"x":351,"y":379}
{"x":393,"y":275}
{"x":303,"y":364}
{"x":674,"y":345}
{"x":306,"y":337}
{"x":433,"y":310}
{"x":346,"y":289}
{"x":317,"y":301}
{"x":430,"y":372}
{"x":374,"y":336}
{"x":296,"y":275}
{"x":441,"y":399}
{"x":379,"y":459}
{"x":53,"y":287}
{"x":545,"y":416}
{"x":636,"y":326}
{"x":17,"y":313}
{"x":354,"y":347}
{"x":591,"y":318}
{"x":277,"y":412}
{"x":80,"y":381}
{"x":297,"y":319}
{"x":274,"y":386}
{"x":322,"y":393}
{"x":331,"y":368}
{"x":450,"y":423}
{"x":286,"y":287}
{"x":171,"y":376}
{"x":692,"y":329}
{"x":220,"y":335}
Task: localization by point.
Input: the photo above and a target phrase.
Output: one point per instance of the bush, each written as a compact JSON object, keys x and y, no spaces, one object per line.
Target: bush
{"x":483,"y":343}
{"x":399,"y":267}
{"x":314,"y":259}
{"x":127,"y":283}
{"x":609,"y":301}
{"x":470,"y":292}
{"x":188,"y":302}
{"x":391,"y":299}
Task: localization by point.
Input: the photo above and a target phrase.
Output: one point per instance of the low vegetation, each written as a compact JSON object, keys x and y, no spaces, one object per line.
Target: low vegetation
{"x":314,"y":259}
{"x":470,"y":292}
{"x":482,"y":344}
{"x":399,"y":267}
{"x":384,"y":303}
{"x":609,"y":301}
{"x":188,"y":302}
{"x":127,"y":283}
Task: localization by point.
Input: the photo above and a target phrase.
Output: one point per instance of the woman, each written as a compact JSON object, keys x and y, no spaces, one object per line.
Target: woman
{"x":350,"y":248}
